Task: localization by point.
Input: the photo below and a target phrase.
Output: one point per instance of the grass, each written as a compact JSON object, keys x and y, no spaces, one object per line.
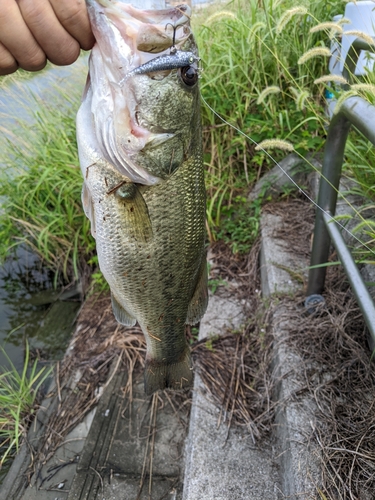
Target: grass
{"x":40,"y":192}
{"x":17,"y":402}
{"x":41,"y":184}
{"x":260,"y":62}
{"x":252,"y":79}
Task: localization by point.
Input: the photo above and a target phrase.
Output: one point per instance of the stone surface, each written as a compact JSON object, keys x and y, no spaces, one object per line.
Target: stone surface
{"x":291,"y":172}
{"x":110,"y":454}
{"x":224,"y":465}
{"x":299,"y":464}
{"x":53,"y":480}
{"x":222,"y":314}
{"x":281,"y":270}
{"x":130,"y":437}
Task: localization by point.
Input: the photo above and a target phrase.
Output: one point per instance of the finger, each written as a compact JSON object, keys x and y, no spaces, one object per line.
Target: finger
{"x":59,"y":46}
{"x":73,"y":16}
{"x":18,"y":39}
{"x":8,"y":64}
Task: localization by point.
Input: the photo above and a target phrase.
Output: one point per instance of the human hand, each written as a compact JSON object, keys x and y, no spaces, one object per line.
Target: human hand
{"x":34,"y":31}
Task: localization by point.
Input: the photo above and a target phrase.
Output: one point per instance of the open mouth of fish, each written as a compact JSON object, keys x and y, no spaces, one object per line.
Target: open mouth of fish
{"x":152,"y":43}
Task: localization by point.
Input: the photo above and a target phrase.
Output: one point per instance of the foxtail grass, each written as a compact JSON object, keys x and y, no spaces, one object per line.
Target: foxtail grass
{"x":265,"y":72}
{"x":250,"y":61}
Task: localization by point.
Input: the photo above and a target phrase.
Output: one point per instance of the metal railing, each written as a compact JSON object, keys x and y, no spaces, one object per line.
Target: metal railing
{"x":359,"y":113}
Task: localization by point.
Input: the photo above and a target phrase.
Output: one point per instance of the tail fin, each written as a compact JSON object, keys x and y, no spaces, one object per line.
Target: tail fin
{"x":159,"y":375}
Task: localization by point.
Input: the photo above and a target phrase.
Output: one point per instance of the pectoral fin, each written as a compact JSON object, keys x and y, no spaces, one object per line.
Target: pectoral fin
{"x":199,"y":301}
{"x":136,"y":212}
{"x":121,"y":314}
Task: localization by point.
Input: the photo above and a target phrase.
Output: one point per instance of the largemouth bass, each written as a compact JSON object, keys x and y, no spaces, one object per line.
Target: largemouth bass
{"x":140,"y":149}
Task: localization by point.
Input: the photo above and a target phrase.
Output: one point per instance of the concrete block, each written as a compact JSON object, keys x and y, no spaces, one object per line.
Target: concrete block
{"x":279,"y":265}
{"x":292,"y":171}
{"x":299,"y":462}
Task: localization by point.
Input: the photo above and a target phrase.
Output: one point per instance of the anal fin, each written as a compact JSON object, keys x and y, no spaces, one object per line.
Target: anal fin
{"x":121,"y":314}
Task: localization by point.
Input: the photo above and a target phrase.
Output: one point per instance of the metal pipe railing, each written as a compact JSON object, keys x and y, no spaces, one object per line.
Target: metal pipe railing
{"x":360,"y":290}
{"x":358,"y":112}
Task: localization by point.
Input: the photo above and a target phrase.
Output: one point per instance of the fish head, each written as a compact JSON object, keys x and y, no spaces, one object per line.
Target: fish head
{"x":143,"y":93}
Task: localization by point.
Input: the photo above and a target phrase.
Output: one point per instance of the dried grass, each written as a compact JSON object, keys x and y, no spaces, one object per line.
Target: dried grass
{"x":297,"y":224}
{"x":336,"y":366}
{"x":235,"y":370}
{"x":98,"y":342}
{"x":235,"y":367}
{"x":340,"y":377}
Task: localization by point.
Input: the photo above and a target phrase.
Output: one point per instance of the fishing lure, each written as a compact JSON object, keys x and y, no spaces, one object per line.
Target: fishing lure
{"x":176,"y":60}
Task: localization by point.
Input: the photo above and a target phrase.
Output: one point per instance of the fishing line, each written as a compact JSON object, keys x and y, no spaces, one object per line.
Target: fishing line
{"x":286,"y":174}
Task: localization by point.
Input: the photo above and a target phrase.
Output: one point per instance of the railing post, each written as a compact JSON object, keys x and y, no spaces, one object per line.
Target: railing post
{"x":332,"y":164}
{"x":328,"y":189}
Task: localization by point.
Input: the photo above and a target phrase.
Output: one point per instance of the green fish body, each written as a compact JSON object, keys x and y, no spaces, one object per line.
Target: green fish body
{"x":140,"y":147}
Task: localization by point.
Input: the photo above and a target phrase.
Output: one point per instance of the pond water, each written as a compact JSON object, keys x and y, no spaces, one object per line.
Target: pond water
{"x":30,"y":309}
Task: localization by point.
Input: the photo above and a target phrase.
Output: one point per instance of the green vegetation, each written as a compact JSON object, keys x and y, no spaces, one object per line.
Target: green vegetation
{"x":253,"y":80}
{"x":17,"y":402}
{"x":41,"y":182}
{"x":359,"y":166}
{"x":262,"y":62}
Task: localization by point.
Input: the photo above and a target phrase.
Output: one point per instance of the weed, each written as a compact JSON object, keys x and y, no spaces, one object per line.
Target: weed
{"x":210,"y":342}
{"x":17,"y":402}
{"x":265,"y":72}
{"x":41,"y":185}
{"x":98,"y":282}
{"x":214,"y":283}
{"x":239,"y":225}
{"x":252,"y":78}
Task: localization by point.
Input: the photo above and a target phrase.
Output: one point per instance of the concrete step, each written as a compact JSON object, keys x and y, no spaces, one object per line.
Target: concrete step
{"x":283,"y":271}
{"x":129,"y":447}
{"x":129,"y":438}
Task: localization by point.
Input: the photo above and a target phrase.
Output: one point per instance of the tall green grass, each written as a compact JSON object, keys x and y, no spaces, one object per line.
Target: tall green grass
{"x":40,"y":185}
{"x":260,"y":64}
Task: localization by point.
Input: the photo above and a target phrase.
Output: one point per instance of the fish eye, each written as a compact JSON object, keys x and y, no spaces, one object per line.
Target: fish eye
{"x":189,"y":75}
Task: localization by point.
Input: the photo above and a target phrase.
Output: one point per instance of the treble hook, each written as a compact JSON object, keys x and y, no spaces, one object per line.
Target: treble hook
{"x":173,"y":48}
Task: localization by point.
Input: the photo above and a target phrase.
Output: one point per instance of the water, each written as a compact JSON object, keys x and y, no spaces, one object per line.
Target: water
{"x":30,"y":309}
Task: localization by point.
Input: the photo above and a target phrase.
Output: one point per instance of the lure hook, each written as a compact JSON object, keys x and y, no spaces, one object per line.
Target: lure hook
{"x":173,"y":48}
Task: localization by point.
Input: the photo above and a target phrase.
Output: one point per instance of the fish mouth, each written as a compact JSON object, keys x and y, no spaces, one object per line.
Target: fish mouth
{"x":137,"y":34}
{"x":128,"y":39}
